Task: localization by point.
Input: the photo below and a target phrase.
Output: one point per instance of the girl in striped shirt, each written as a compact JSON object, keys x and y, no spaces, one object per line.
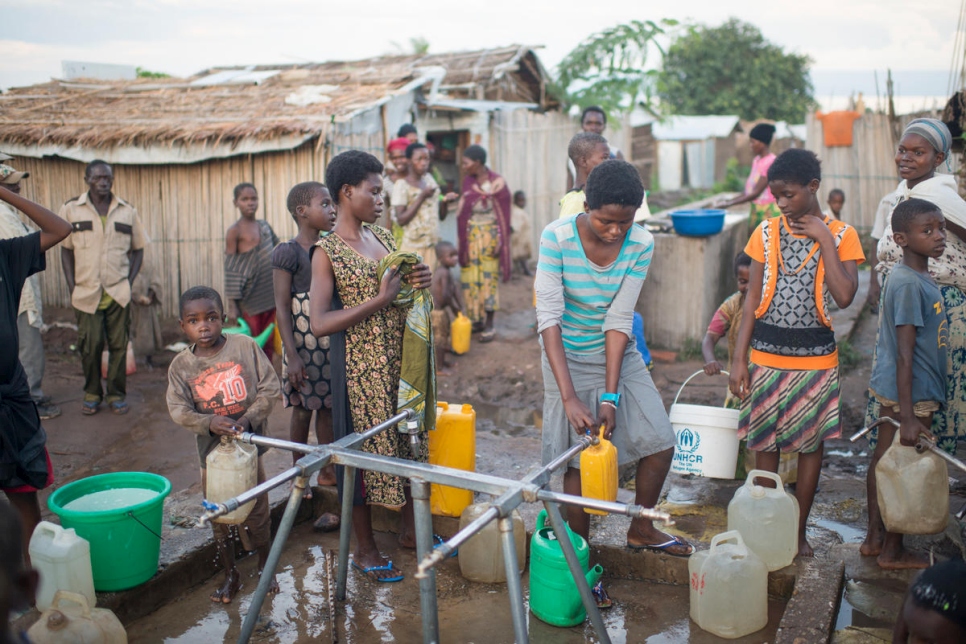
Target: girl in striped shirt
{"x":589,"y":276}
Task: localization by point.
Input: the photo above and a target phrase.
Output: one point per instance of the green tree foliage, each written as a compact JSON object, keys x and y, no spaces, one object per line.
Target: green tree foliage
{"x":732,"y":69}
{"x":144,"y":73}
{"x":610,"y":68}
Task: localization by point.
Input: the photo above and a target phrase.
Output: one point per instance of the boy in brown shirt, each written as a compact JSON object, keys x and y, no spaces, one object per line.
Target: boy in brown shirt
{"x":222,"y":385}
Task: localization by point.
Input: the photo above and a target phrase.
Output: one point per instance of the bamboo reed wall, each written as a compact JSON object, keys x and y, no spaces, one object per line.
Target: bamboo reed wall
{"x":530,"y":151}
{"x":866,"y":171}
{"x":186,"y":209}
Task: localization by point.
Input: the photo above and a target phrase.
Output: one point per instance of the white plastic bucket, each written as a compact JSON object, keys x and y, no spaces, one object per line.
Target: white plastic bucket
{"x":707,"y":438}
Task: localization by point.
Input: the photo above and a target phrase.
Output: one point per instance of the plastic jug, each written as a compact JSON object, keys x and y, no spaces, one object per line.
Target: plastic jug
{"x":232,"y":469}
{"x":598,"y":472}
{"x":460,"y":332}
{"x":913,"y":490}
{"x":64,"y":562}
{"x":553,"y":594}
{"x":71,"y":620}
{"x":481,"y":558}
{"x":452,"y":444}
{"x":767,"y":519}
{"x":729,"y":588}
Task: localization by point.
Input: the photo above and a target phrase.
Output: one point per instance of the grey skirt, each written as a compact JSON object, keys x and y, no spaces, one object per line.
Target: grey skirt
{"x":642,"y":426}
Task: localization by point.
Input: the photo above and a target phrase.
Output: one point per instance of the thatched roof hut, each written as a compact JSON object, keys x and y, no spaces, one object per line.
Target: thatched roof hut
{"x":179,"y":145}
{"x":243,"y":109}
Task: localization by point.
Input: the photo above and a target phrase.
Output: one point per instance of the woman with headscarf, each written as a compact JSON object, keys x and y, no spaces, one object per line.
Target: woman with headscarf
{"x":924,"y":146}
{"x":483,"y":226}
{"x":756,"y":186}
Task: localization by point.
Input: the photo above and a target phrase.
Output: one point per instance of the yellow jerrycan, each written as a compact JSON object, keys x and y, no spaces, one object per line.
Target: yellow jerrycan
{"x":460,"y":331}
{"x":729,"y":588}
{"x":598,"y":472}
{"x":913,"y":490}
{"x":232,"y":468}
{"x":452,"y":444}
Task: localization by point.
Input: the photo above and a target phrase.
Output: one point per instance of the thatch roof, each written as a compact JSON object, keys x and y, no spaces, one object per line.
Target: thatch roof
{"x":261,"y":102}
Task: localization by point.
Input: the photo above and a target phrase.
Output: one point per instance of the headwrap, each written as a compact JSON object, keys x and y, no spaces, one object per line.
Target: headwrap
{"x":763,"y":132}
{"x":398,"y":144}
{"x":942,"y":588}
{"x":934,"y":131}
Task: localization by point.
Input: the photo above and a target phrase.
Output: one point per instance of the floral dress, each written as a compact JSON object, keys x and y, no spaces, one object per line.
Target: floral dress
{"x":373,"y":359}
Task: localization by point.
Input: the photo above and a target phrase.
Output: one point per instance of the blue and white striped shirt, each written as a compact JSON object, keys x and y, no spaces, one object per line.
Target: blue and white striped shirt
{"x":586,"y":300}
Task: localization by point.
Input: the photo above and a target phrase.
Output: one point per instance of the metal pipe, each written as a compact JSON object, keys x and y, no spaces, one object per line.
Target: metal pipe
{"x":587,"y":597}
{"x":923,"y":444}
{"x":513,"y":585}
{"x":345,"y":530}
{"x":268,"y":573}
{"x":631,"y":510}
{"x":464,"y":479}
{"x":233,"y":504}
{"x":423,"y":519}
{"x":346,"y":442}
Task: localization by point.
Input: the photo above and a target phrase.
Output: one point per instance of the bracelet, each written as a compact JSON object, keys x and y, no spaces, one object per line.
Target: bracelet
{"x":607,"y":402}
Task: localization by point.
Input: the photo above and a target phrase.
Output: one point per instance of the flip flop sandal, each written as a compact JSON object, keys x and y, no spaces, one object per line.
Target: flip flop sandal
{"x":371,"y":571}
{"x":600,"y":596}
{"x":120,"y":407}
{"x":663,"y":547}
{"x":438,"y":541}
{"x":487,"y":336}
{"x":89,"y":407}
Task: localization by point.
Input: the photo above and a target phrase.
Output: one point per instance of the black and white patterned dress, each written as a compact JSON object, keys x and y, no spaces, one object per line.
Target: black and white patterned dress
{"x":316,"y":390}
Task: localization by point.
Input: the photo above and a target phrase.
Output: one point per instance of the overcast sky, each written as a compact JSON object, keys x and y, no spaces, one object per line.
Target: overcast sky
{"x":181,"y":37}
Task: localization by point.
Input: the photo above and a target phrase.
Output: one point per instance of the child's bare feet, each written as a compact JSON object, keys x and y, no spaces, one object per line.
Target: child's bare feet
{"x":228,"y":589}
{"x":872,"y":546}
{"x":804,"y":549}
{"x":327,"y":476}
{"x":272,"y":587}
{"x":407,"y":540}
{"x":902,"y":559}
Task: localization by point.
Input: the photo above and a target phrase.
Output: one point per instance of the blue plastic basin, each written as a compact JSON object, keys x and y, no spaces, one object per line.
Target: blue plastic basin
{"x":698,"y":223}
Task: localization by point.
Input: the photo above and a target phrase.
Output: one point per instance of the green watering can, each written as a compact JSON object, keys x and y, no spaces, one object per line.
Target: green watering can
{"x":553,"y":594}
{"x":244,"y":329}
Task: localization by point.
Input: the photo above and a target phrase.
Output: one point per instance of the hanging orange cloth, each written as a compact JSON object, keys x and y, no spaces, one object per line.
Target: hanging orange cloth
{"x":837,"y":127}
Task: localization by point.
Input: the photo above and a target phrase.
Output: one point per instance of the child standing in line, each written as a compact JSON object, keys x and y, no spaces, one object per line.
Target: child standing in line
{"x":725,"y":322}
{"x":909,"y":377}
{"x":934,"y":609}
{"x":248,"y":265}
{"x":222,"y":385}
{"x":790,"y":394}
{"x":521,"y":250}
{"x":587,"y":150}
{"x":306,"y":387}
{"x":447,"y":300}
{"x":836,"y":200}
{"x":25,"y":465}
{"x":590,"y":273}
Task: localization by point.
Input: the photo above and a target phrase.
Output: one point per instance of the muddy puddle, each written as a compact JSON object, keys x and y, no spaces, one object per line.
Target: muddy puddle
{"x":468,"y":612}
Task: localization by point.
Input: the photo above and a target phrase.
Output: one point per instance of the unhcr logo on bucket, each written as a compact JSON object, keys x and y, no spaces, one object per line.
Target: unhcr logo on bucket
{"x":688,"y":441}
{"x":686,"y":460}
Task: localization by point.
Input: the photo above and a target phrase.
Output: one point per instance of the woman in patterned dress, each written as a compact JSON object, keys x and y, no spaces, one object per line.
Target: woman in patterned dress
{"x":484,"y":239}
{"x":352,"y":305}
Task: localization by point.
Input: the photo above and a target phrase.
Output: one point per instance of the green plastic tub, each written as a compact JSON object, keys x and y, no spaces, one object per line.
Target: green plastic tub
{"x":125,"y":535}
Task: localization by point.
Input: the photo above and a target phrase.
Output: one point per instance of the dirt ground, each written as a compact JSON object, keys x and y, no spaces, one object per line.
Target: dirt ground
{"x":503,"y":381}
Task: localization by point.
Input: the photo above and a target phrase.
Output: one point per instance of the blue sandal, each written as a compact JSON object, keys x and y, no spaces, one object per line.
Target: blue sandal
{"x":438,"y":541}
{"x":90,"y":407}
{"x":371,"y":572}
{"x":120,"y":407}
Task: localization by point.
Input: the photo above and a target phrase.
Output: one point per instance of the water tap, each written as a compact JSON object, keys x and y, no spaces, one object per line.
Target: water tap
{"x":411,"y":428}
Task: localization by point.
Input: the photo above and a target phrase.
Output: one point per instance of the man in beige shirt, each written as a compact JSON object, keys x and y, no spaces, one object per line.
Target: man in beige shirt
{"x":101,"y":258}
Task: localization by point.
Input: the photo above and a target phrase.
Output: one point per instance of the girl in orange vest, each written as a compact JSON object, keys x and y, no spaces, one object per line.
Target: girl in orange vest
{"x":790,"y":393}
